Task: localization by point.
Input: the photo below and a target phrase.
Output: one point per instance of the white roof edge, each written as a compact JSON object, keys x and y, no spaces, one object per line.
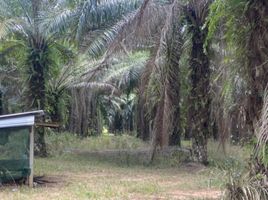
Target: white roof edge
{"x":34,"y":113}
{"x":17,"y":122}
{"x":19,"y":119}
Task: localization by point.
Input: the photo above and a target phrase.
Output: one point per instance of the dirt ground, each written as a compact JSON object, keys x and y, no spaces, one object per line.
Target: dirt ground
{"x":75,"y":179}
{"x":173,"y":193}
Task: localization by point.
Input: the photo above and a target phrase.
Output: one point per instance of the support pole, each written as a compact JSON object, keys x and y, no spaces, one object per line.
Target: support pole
{"x":31,"y":157}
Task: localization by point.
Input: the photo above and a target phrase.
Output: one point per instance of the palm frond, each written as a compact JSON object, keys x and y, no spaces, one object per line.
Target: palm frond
{"x":88,"y":16}
{"x":56,"y":21}
{"x":126,"y":70}
{"x":4,"y":10}
{"x":11,"y":26}
{"x":64,"y":79}
{"x":260,"y":152}
{"x":200,"y":11}
{"x":131,"y":34}
{"x":165,"y":74}
{"x":123,"y":73}
{"x":5,"y":27}
{"x":138,"y":30}
{"x":105,"y":88}
{"x":245,"y":187}
{"x":100,"y":44}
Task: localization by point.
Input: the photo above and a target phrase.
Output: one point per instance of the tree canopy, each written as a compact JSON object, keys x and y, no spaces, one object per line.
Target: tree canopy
{"x":165,"y":70}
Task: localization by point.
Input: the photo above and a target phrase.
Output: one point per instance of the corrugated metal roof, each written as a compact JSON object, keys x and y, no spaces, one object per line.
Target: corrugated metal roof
{"x":35,"y":113}
{"x":19,"y":119}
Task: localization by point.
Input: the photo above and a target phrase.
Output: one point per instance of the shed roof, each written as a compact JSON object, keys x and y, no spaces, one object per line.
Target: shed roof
{"x":19,"y":119}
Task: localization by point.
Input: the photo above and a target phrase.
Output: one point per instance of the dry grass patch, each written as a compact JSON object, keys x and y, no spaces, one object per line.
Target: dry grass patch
{"x":84,"y":178}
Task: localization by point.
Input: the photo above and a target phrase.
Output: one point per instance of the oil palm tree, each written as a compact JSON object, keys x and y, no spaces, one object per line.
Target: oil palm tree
{"x":120,"y":77}
{"x":148,"y":22}
{"x":246,"y":38}
{"x":245,"y":27}
{"x":34,"y":28}
{"x":166,"y":129}
{"x":93,"y":24}
{"x":137,"y":31}
{"x":21,"y":33}
{"x":196,"y":13}
{"x":256,"y":56}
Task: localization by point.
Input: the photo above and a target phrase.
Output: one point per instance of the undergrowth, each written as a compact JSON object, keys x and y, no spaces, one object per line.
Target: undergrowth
{"x":59,"y":143}
{"x":123,"y":150}
{"x":228,"y":157}
{"x":231,"y":160}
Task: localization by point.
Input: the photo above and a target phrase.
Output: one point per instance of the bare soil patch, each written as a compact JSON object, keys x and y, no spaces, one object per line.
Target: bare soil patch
{"x":196,"y":194}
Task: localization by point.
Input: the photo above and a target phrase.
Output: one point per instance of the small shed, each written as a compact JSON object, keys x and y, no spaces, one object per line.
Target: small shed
{"x":17,"y":146}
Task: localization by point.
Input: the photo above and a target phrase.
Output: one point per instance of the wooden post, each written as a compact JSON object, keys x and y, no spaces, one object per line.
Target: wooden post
{"x":31,"y":156}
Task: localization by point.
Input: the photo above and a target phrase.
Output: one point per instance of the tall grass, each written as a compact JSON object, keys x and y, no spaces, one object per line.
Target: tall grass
{"x":121,"y":149}
{"x":59,"y":143}
{"x":228,"y":158}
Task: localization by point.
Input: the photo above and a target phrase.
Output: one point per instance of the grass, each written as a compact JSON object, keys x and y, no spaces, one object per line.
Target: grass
{"x":231,"y":157}
{"x":79,"y":176}
{"x":226,"y":157}
{"x":85,"y":178}
{"x":58,"y":143}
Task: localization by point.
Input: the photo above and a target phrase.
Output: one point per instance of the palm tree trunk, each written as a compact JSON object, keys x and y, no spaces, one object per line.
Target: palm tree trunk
{"x":143,"y":130}
{"x":174,"y":83}
{"x":199,"y":97}
{"x":257,"y":71}
{"x":38,"y":93}
{"x":55,"y":115}
{"x":257,"y":54}
{"x":38,"y":68}
{"x":143,"y":121}
{"x":166,"y":130}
